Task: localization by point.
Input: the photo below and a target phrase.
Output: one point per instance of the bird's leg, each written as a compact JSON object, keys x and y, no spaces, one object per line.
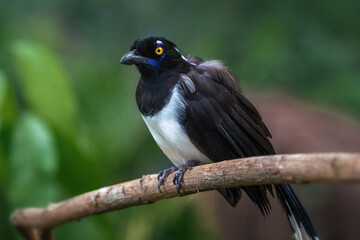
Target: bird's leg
{"x":163,"y":174}
{"x":179,"y":175}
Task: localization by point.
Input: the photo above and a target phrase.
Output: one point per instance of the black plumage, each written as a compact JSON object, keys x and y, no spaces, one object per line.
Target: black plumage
{"x":208,"y":106}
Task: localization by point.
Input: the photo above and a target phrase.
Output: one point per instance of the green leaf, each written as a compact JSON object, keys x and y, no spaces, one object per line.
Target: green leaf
{"x":3,"y":90}
{"x":8,"y":105}
{"x":45,"y":85}
{"x":33,"y":160}
{"x":3,"y":87}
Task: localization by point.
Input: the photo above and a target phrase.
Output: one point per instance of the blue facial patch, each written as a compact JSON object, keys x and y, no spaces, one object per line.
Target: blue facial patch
{"x":159,"y":43}
{"x":162,"y":57}
{"x":156,"y":63}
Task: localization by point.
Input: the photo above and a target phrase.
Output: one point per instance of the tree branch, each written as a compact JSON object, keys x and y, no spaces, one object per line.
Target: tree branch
{"x":275,"y":169}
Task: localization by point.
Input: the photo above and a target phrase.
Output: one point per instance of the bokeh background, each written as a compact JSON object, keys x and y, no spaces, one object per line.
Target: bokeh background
{"x":69,"y":122}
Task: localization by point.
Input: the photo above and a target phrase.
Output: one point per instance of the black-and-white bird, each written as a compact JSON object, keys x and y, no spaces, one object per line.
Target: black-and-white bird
{"x":197,"y":114}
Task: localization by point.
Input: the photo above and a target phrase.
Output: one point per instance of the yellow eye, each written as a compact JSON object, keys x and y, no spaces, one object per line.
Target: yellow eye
{"x":159,"y":51}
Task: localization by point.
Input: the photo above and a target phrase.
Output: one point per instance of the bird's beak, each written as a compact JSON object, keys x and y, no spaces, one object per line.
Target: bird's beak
{"x":133,"y":57}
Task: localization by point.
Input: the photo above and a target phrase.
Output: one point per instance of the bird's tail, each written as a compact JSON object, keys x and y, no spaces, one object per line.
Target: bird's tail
{"x":232,"y":195}
{"x":298,"y":218}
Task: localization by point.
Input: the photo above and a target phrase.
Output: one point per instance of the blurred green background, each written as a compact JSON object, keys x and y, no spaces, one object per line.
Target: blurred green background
{"x":68,"y":118}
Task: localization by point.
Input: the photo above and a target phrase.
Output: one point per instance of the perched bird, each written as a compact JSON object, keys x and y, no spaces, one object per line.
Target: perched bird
{"x":197,"y":114}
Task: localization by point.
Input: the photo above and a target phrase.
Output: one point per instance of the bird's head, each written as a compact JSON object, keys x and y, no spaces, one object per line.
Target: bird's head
{"x":155,"y":54}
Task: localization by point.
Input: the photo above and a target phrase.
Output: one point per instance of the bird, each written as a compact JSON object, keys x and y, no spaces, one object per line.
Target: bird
{"x":197,"y":114}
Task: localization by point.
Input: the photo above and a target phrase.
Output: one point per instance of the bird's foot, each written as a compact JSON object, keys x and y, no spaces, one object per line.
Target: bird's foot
{"x":179,"y":175}
{"x":163,"y":174}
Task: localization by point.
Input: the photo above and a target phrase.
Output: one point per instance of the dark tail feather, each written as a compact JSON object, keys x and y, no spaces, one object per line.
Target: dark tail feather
{"x":298,"y":218}
{"x":232,"y":195}
{"x":258,"y":195}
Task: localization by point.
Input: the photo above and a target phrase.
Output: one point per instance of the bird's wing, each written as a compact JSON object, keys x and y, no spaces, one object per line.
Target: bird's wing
{"x":222,"y":123}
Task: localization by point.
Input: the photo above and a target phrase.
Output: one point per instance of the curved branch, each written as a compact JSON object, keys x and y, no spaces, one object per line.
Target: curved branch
{"x":274,"y":169}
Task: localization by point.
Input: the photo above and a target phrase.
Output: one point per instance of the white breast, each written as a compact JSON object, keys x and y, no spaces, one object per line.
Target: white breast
{"x":169,"y":134}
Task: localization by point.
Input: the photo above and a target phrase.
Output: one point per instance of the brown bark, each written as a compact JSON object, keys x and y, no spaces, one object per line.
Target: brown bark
{"x":275,"y":169}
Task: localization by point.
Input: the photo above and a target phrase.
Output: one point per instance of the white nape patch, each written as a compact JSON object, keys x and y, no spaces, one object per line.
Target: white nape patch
{"x":169,"y":134}
{"x":188,"y":82}
{"x":184,"y":58}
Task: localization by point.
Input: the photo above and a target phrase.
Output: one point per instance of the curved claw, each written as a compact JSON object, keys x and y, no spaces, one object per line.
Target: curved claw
{"x":179,"y":180}
{"x":162,"y":176}
{"x":176,"y":176}
{"x":179,"y":175}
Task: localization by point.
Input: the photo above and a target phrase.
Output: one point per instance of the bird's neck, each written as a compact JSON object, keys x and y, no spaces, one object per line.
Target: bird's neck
{"x":154,"y":91}
{"x":179,"y":65}
{"x":148,"y":72}
{"x":156,"y":85}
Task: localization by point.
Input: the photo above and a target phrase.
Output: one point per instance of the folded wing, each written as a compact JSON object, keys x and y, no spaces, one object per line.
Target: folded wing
{"x":223,"y":124}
